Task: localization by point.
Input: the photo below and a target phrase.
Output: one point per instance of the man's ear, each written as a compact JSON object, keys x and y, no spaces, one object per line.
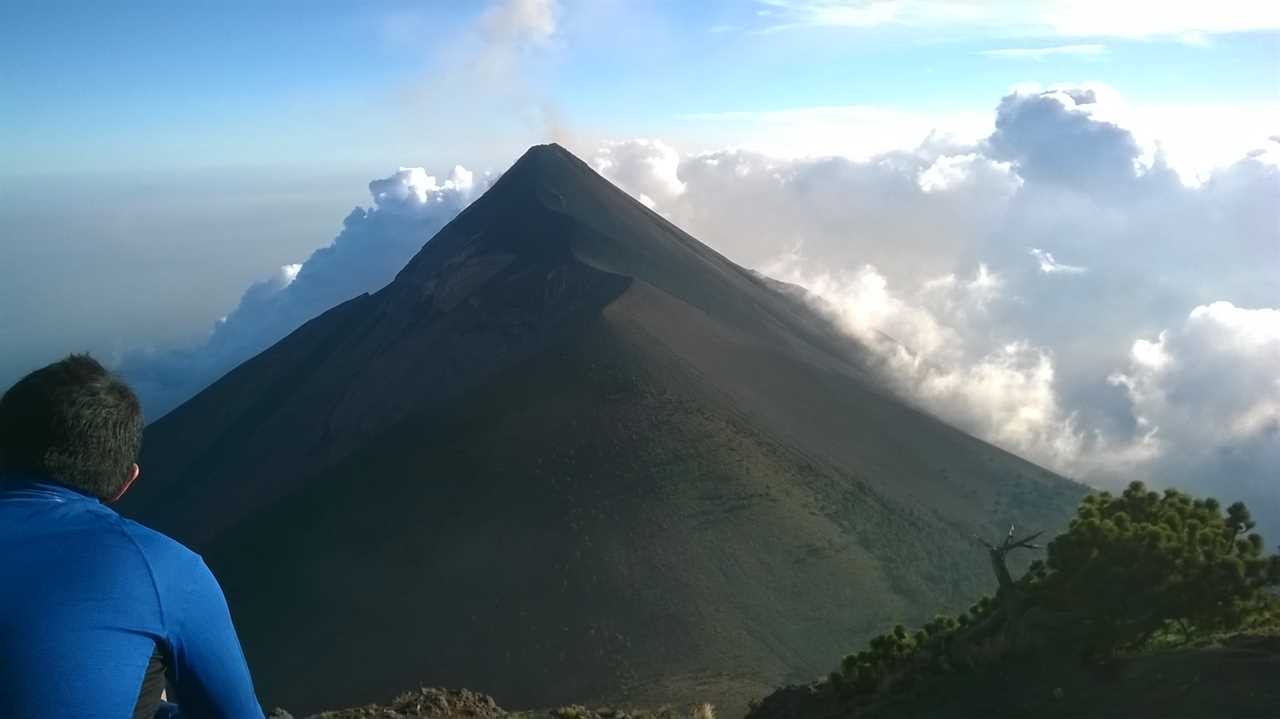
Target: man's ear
{"x":134,"y":471}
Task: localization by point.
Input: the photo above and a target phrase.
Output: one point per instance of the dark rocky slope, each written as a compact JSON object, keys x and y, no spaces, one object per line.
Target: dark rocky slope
{"x":572,"y":454}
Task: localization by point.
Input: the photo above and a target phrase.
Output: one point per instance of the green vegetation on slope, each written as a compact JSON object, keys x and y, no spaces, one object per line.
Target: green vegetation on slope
{"x":572,"y":454}
{"x":1132,"y":573}
{"x":605,"y":527}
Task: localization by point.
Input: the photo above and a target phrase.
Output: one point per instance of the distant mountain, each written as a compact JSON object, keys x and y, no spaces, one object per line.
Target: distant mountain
{"x":573,"y":454}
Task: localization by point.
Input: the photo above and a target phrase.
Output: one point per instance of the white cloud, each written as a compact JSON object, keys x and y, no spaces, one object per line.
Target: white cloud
{"x":647,"y":167}
{"x":1193,"y":139}
{"x":495,"y":56}
{"x":1209,"y":390}
{"x":507,"y":33}
{"x":1040,"y":53}
{"x":853,"y":131}
{"x":482,"y":91}
{"x":1182,"y":20}
{"x":801,"y":13}
{"x":1147,"y":365}
{"x":521,"y":21}
{"x":951,"y":171}
{"x":1049,"y":265}
{"x":1064,"y":136}
{"x":374,"y":244}
{"x":1174,"y":131}
{"x":1243,"y":330}
{"x":922,"y":254}
{"x":411,"y":189}
{"x":1005,"y":393}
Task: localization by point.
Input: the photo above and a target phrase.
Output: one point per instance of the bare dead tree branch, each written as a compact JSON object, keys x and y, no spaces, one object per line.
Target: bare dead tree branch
{"x":1009,"y":544}
{"x":1027,"y":542}
{"x":999,"y":551}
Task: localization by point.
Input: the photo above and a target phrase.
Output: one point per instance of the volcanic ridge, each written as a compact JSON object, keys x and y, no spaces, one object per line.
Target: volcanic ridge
{"x":571,"y":454}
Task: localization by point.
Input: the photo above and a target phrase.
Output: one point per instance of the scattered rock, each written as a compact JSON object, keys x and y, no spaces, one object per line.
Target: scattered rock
{"x":435,"y":703}
{"x":427,"y":703}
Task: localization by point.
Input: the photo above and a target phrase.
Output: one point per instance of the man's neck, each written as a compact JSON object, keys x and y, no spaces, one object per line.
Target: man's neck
{"x":22,"y":480}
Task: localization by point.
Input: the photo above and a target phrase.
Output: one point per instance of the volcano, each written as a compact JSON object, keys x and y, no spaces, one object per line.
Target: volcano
{"x":572,"y":454}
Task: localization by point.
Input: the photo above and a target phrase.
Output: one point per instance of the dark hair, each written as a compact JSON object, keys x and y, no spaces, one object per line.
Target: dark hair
{"x":74,"y":423}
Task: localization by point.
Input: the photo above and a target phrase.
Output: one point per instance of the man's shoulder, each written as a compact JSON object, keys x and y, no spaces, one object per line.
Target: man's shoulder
{"x":176,"y":572}
{"x":160,"y":550}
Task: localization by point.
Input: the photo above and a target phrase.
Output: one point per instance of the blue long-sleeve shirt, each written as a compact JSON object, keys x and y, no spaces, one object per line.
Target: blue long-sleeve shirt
{"x":86,"y":598}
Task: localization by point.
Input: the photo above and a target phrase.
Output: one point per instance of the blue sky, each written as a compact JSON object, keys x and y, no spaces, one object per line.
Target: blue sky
{"x":232,"y":136}
{"x":1066,"y":212}
{"x":143,"y":86}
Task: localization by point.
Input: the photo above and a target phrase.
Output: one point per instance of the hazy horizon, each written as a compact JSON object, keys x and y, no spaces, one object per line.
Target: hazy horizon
{"x":1066,"y":213}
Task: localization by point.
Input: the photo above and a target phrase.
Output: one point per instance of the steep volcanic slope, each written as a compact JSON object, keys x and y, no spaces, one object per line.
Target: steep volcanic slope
{"x":570,"y":453}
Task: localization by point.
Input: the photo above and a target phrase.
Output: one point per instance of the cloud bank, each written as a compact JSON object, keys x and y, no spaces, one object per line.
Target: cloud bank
{"x":374,"y":244}
{"x":487,"y":74}
{"x":1185,"y":21}
{"x":1040,"y":53}
{"x":1055,"y":287}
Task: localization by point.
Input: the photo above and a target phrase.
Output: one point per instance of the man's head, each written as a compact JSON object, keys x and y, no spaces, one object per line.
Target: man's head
{"x":75,"y":423}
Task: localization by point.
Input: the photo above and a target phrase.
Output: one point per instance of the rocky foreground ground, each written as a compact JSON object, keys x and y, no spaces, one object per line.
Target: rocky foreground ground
{"x":435,"y":703}
{"x":1231,"y":678}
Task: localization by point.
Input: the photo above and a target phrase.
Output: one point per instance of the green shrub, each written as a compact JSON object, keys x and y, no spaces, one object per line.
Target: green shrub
{"x":1126,"y":568}
{"x":1136,"y":563}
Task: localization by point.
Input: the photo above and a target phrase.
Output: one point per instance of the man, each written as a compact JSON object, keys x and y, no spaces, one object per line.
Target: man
{"x":97,"y":611}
